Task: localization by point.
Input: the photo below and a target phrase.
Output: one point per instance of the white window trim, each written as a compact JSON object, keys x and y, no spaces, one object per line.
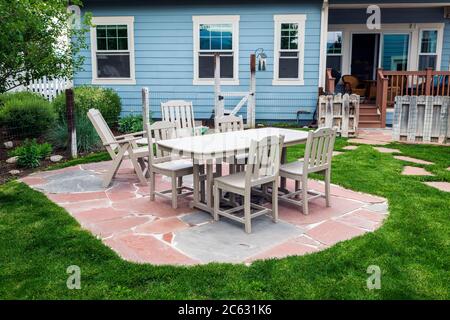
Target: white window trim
{"x":230,"y":19}
{"x":438,"y":52}
{"x":129,"y":21}
{"x":300,"y":19}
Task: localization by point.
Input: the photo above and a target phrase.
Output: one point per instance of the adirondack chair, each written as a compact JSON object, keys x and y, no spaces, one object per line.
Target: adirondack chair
{"x":166,"y":164}
{"x":120,"y":148}
{"x":181,"y":113}
{"x":317,"y":159}
{"x":262,"y":169}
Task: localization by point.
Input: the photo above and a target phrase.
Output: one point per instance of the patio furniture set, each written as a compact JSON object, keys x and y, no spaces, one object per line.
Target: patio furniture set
{"x":256,"y":158}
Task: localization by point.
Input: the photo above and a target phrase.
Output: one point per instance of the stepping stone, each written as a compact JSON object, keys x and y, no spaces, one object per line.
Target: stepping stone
{"x":413,"y":160}
{"x":387,"y":150}
{"x":336,"y":153}
{"x":350,"y":147}
{"x":443,"y":186}
{"x":415,"y":171}
{"x":367,"y":141}
{"x":448,"y":168}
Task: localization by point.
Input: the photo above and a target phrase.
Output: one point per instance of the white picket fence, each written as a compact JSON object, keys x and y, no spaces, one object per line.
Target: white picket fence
{"x":48,"y":88}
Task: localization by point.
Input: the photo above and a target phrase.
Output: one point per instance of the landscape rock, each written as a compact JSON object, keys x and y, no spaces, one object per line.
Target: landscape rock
{"x":14,"y":172}
{"x":12,"y":160}
{"x":8,"y":144}
{"x":56,"y":158}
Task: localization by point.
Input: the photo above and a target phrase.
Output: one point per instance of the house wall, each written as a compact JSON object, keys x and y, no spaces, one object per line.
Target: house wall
{"x":163,"y":39}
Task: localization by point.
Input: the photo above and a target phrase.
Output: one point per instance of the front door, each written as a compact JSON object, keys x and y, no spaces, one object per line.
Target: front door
{"x":365,"y":47}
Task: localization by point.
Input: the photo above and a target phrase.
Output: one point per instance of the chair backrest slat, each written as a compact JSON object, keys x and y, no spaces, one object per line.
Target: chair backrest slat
{"x":181,"y":113}
{"x":160,"y":130}
{"x":103,"y":130}
{"x":264,"y":158}
{"x":228,"y":123}
{"x":319,"y":149}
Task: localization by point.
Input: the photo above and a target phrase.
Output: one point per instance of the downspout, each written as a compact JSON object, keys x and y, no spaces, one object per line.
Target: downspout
{"x":323,"y":43}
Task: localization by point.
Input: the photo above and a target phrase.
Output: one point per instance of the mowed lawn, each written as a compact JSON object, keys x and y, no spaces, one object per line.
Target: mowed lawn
{"x":39,"y":240}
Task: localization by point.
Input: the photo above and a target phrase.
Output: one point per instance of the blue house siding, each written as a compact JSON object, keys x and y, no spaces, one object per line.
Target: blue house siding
{"x":163,"y":38}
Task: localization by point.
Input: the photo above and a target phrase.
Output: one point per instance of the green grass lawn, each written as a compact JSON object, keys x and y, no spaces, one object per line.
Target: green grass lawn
{"x":39,"y":240}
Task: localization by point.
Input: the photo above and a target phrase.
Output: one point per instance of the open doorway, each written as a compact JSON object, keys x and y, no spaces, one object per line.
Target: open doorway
{"x":364,"y":62}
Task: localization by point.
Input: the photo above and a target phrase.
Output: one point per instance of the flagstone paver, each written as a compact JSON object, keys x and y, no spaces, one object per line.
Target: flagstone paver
{"x":415,"y":171}
{"x":143,"y":231}
{"x":413,"y":160}
{"x":367,"y":141}
{"x":387,"y":150}
{"x":350,"y":148}
{"x":443,"y":186}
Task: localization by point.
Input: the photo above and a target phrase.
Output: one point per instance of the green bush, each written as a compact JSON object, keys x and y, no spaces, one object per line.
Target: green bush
{"x":87,"y":138}
{"x":131,"y":123}
{"x":25,"y":114}
{"x":30,"y":153}
{"x":107,"y":101}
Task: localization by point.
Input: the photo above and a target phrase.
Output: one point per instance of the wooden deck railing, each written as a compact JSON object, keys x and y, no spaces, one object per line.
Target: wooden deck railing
{"x":409,"y":83}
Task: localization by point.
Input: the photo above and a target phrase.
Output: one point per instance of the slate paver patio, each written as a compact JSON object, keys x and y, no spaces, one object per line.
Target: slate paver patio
{"x":152,"y":232}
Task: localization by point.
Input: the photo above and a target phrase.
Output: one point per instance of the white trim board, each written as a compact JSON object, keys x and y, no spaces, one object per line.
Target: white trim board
{"x":222,"y":19}
{"x":412,"y":29}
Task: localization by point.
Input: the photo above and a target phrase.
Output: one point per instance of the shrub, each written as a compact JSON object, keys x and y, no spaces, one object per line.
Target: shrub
{"x":107,"y":101}
{"x":87,"y":138}
{"x":25,"y":114}
{"x":30,"y":153}
{"x":131,"y":123}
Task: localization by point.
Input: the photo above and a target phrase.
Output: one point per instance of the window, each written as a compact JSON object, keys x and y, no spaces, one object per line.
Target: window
{"x":395,"y":53}
{"x":334,"y":52}
{"x":216,"y":34}
{"x":112,"y":46}
{"x":289,"y":49}
{"x":428,"y":49}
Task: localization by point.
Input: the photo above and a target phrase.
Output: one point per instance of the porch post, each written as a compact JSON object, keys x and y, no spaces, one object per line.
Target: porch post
{"x":428,"y":81}
{"x":323,"y":43}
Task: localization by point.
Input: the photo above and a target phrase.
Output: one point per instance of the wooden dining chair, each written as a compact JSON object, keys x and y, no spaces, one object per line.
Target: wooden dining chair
{"x":231,"y":123}
{"x":120,"y":148}
{"x":161,"y":162}
{"x":181,"y":113}
{"x":262,"y":168}
{"x":317,"y":159}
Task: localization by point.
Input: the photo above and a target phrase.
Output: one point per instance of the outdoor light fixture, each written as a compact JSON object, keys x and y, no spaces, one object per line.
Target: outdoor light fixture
{"x":262,"y":57}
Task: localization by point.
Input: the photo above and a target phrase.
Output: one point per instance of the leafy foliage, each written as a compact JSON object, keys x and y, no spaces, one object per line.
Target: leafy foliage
{"x":106,"y":100}
{"x":25,"y":114}
{"x":31,"y":44}
{"x":131,"y":123}
{"x":30,"y":153}
{"x":87,"y":138}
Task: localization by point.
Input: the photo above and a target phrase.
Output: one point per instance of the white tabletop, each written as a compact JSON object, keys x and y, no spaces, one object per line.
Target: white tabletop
{"x":228,"y":143}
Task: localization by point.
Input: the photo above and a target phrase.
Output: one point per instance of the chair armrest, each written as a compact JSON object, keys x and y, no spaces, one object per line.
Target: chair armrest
{"x":140,"y":133}
{"x":121,"y":141}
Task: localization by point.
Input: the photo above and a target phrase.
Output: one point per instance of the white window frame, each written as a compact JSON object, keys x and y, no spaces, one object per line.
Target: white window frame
{"x":225,"y":19}
{"x":335,"y":54}
{"x":125,"y":20}
{"x":438,"y":52}
{"x":300,"y":19}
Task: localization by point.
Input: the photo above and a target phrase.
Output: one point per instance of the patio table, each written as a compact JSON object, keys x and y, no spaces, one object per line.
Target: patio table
{"x":211,"y":148}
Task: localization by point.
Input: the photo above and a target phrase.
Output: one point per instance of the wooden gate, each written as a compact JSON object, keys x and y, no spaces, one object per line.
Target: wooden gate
{"x":421,"y":119}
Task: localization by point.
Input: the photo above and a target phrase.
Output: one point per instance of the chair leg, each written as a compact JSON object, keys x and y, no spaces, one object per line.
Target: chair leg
{"x":174,"y":192}
{"x":275,"y":200}
{"x":114,"y":166}
{"x":305,"y":194}
{"x":152,"y":186}
{"x":247,"y":212}
{"x":327,"y":186}
{"x":216,"y":203}
{"x":297,"y":187}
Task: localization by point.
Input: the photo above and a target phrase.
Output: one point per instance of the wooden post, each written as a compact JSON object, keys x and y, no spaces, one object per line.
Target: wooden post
{"x":70,"y":111}
{"x":251,"y":104}
{"x":345,"y":115}
{"x":145,"y":107}
{"x":428,"y":81}
{"x":330,"y":82}
{"x":382,"y":92}
{"x":218,"y":99}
